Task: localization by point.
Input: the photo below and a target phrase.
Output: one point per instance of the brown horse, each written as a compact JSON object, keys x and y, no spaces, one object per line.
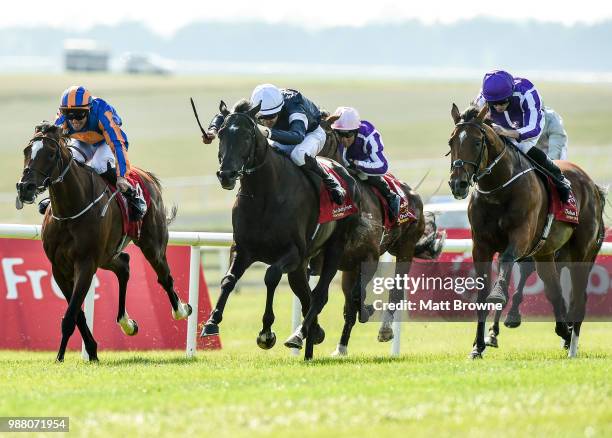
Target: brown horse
{"x":82,"y":231}
{"x":508,"y":214}
{"x":368,"y":240}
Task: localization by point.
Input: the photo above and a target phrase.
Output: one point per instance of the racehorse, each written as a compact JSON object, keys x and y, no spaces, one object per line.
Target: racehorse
{"x":368,"y":240}
{"x":508,"y":214}
{"x":83,"y":231}
{"x":274,"y":221}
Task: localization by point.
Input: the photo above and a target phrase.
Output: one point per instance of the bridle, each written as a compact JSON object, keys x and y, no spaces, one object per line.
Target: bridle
{"x":59,"y":164}
{"x":477,"y":175}
{"x":246,"y":170}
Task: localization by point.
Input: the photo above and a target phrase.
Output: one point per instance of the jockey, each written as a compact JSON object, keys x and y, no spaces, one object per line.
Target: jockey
{"x":553,"y":141}
{"x":362,"y":151}
{"x":98,"y":140}
{"x":290,"y":122}
{"x":515,"y":108}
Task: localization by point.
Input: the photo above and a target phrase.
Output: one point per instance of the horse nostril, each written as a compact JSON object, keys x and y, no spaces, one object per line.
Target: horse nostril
{"x":463,"y":185}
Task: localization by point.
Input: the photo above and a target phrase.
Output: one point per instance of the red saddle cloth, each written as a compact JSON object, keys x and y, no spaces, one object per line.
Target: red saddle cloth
{"x":406,"y":213}
{"x":567,"y":212}
{"x":132,"y":229}
{"x":328,"y":210}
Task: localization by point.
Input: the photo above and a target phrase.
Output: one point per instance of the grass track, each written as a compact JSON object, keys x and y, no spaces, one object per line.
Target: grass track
{"x":525,"y":387}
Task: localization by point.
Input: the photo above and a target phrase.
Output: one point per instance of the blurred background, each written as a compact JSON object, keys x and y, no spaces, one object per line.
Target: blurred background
{"x":401,"y":65}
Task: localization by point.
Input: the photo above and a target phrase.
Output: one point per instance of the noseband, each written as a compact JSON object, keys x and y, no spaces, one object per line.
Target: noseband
{"x":245,"y":170}
{"x":47,"y":181}
{"x":477,"y":175}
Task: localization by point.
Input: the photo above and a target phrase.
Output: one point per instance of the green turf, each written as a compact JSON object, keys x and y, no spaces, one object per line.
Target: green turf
{"x":527,"y":387}
{"x":413,"y":117}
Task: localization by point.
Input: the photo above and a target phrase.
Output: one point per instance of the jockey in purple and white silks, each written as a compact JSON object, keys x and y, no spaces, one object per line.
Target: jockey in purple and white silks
{"x":291,"y":123}
{"x":362,"y":147}
{"x":516,"y":109}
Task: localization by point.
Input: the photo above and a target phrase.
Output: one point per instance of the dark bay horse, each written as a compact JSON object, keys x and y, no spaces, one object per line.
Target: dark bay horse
{"x":274,"y":220}
{"x":82,"y":231}
{"x":508,"y":213}
{"x":368,"y":240}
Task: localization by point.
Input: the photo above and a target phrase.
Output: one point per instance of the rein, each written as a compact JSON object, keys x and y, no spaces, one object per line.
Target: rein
{"x":248,"y":170}
{"x":47,"y":182}
{"x":478,"y":175}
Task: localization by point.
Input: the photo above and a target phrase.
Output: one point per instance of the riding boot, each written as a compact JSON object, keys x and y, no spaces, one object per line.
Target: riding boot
{"x":561,"y":182}
{"x":134,"y":198}
{"x":312,"y":166}
{"x":136,"y":201}
{"x":43,"y":204}
{"x":393,"y":199}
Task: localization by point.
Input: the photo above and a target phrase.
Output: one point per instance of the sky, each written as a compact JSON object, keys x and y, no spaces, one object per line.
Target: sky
{"x":166,"y":17}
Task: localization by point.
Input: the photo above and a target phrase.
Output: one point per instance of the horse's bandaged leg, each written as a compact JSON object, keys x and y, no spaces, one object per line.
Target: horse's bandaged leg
{"x":128,"y":326}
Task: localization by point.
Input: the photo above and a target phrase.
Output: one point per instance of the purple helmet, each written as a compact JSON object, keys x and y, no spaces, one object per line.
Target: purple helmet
{"x":497,"y":85}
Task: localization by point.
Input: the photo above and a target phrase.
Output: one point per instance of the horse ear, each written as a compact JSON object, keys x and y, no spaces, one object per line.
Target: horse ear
{"x":253,"y":111}
{"x":455,"y":114}
{"x":328,"y":122}
{"x":46,"y":127}
{"x":223,"y":109}
{"x":483,"y":113}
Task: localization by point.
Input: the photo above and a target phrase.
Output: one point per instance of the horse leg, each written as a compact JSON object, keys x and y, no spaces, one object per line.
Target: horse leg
{"x":91,"y":346}
{"x":350,"y":282}
{"x":239,"y":263}
{"x":491,"y":339}
{"x":499,"y":292}
{"x":482,"y":257}
{"x":310,"y":327}
{"x":154,"y":251}
{"x":402,"y":268}
{"x":547,"y":270}
{"x":121,"y":268}
{"x":83,"y":273}
{"x":513,"y":318}
{"x":580,"y":278}
{"x":288,"y":262}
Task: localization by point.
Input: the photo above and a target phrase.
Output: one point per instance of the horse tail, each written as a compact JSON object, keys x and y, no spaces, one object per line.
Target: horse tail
{"x":603,"y":193}
{"x":431,"y":243}
{"x":172,"y":216}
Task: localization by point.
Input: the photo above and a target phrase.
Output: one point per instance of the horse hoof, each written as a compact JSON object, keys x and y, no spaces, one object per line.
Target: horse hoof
{"x":210,"y":329}
{"x":129,"y":327}
{"x":385,"y":334}
{"x":476,"y":353}
{"x":512,"y":321}
{"x":266,"y":340}
{"x":189,"y":309}
{"x":295,"y":341}
{"x":318,"y":336}
{"x":365,"y":312}
{"x":491,"y":341}
{"x":135,"y":324}
{"x":182,"y":312}
{"x":496,"y":297}
{"x":340,"y":351}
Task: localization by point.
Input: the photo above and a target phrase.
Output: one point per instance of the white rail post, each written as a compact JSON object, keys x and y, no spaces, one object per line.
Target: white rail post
{"x":396,"y":325}
{"x":194,"y":294}
{"x":88,"y":308}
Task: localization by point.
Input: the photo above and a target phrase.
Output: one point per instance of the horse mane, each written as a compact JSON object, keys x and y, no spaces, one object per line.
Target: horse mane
{"x":471,"y":113}
{"x":242,"y":106}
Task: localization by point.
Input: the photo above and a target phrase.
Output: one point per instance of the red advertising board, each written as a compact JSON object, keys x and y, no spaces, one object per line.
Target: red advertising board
{"x":32,"y":306}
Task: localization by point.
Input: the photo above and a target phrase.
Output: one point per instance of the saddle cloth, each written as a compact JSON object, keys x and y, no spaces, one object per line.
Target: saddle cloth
{"x":406,"y":212}
{"x":328,"y":210}
{"x":564,"y":212}
{"x":131,"y":228}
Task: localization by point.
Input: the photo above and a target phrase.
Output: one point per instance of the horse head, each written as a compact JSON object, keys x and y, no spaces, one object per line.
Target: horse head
{"x":467,"y":149}
{"x":45,"y":162}
{"x":238,"y":139}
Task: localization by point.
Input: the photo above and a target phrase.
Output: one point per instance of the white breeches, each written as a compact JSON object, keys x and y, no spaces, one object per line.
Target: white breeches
{"x":313,"y":144}
{"x":95,"y":157}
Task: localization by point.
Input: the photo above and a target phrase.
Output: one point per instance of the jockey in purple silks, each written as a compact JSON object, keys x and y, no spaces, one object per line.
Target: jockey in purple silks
{"x":361,"y":147}
{"x":516,"y":109}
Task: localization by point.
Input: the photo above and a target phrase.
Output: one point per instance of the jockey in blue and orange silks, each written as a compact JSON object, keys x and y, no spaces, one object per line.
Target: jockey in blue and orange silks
{"x":361,"y":147}
{"x":98,"y":141}
{"x":517,"y":112}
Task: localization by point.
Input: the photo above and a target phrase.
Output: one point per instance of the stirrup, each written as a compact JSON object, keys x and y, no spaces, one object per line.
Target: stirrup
{"x":394,"y":202}
{"x":137,"y":205}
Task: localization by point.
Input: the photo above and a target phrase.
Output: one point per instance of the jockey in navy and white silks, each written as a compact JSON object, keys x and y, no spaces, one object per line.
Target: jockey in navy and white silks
{"x":516,"y":109}
{"x":362,"y":147}
{"x":291,"y":123}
